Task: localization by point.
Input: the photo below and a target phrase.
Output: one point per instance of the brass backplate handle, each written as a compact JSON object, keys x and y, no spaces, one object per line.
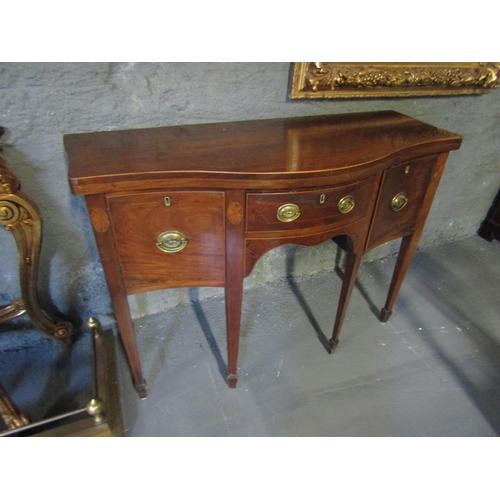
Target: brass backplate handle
{"x":346,"y":204}
{"x":399,"y":202}
{"x":171,"y":241}
{"x":288,"y":212}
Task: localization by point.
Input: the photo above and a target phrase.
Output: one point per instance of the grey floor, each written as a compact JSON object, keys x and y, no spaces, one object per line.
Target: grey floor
{"x":44,"y":378}
{"x":432,"y":370}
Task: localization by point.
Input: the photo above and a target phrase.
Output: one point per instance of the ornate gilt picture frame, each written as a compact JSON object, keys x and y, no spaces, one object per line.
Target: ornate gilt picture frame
{"x":329,"y":80}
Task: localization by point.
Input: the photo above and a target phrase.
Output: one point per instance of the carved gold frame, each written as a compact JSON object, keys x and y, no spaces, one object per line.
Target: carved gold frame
{"x":329,"y":80}
{"x":21,"y":217}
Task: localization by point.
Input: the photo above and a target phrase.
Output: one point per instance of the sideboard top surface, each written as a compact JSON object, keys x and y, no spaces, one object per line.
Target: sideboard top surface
{"x":275,"y":149}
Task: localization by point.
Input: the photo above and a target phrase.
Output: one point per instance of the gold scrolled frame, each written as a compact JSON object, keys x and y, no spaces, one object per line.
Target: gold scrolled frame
{"x":21,"y":217}
{"x":330,"y":80}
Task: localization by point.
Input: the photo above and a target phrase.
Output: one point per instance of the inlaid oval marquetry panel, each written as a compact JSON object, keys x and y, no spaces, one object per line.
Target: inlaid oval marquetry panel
{"x":100,"y":220}
{"x":235,"y":213}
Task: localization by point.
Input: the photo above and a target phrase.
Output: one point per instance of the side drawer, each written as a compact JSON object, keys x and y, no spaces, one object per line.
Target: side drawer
{"x":169,"y":239}
{"x":308,"y":209}
{"x":400,"y":198}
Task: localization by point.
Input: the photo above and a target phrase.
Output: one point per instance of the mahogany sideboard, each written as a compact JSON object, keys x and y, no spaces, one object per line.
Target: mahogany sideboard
{"x":198,"y":205}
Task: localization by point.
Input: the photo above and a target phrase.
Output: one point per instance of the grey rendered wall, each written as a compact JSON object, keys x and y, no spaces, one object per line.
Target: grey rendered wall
{"x":39,"y":102}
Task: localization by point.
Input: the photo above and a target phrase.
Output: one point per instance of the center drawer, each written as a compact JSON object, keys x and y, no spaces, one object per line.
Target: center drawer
{"x":292,"y":210}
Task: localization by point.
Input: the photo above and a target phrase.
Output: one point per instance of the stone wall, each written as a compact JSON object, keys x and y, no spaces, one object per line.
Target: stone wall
{"x":39,"y":102}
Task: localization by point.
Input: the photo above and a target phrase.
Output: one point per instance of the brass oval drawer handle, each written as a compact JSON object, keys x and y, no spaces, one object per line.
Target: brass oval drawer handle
{"x":171,"y":241}
{"x":288,"y":212}
{"x":346,"y":204}
{"x":399,"y":202}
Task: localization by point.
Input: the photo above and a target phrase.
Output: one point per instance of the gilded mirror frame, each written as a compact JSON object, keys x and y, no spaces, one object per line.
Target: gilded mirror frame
{"x":330,"y":80}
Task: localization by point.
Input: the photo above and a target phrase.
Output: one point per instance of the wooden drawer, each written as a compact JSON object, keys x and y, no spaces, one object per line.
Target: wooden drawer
{"x":400,"y":198}
{"x":193,"y":240}
{"x":308,"y":209}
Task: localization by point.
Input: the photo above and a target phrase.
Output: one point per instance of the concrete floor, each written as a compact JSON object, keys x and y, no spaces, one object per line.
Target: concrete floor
{"x":432,"y":370}
{"x":43,"y":377}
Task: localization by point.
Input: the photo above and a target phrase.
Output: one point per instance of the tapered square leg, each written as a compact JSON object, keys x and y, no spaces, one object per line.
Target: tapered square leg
{"x":405,"y":256}
{"x":117,"y":290}
{"x":235,"y":265}
{"x":351,"y":270}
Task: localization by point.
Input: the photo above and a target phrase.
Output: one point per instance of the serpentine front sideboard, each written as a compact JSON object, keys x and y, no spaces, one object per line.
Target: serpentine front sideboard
{"x":198,"y":205}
